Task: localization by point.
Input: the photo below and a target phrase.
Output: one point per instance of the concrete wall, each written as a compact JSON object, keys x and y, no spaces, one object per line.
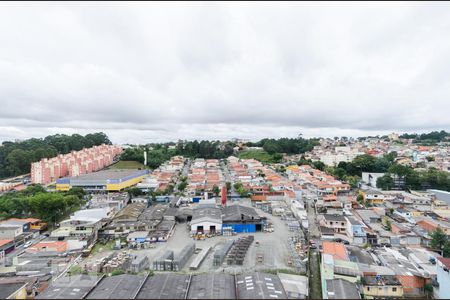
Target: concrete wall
{"x":443,"y":277}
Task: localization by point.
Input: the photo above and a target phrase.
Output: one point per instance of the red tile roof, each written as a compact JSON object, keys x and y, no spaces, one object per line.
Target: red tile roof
{"x":4,"y":242}
{"x":445,"y":261}
{"x":337,"y":250}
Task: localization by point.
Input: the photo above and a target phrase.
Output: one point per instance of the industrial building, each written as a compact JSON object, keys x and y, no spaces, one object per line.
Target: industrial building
{"x":241,"y":219}
{"x":206,"y":220}
{"x":233,"y":218}
{"x":259,"y":286}
{"x":117,"y":287}
{"x":212,"y":286}
{"x":73,"y":287}
{"x":103,"y":181}
{"x":164,"y":286}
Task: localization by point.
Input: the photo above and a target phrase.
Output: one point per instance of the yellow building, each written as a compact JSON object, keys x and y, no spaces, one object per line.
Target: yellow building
{"x":373,"y":197}
{"x":382,"y":286}
{"x":106,"y":180}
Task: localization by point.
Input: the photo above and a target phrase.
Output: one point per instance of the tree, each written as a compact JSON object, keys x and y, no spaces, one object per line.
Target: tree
{"x":318,"y":165}
{"x":438,"y":239}
{"x":228,"y":185}
{"x":385,"y":182}
{"x":134,"y":191}
{"x":388,"y":223}
{"x":182,"y":186}
{"x":360,"y":198}
{"x":216,"y":190}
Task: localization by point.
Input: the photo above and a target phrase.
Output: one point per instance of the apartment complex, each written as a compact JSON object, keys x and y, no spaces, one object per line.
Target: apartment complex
{"x":73,"y":164}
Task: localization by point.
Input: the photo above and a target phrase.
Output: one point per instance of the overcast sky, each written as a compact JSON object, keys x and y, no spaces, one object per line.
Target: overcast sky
{"x":148,"y":72}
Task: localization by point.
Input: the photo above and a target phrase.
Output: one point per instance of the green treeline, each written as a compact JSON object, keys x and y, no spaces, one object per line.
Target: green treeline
{"x":286,"y":145}
{"x":158,"y":153}
{"x":16,"y":157}
{"x":427,"y":138}
{"x":34,"y":201}
{"x":414,"y":179}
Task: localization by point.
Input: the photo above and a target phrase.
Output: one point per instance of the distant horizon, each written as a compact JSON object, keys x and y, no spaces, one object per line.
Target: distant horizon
{"x":372,"y":134}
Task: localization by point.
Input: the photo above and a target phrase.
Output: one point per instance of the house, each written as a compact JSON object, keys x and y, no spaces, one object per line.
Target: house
{"x":373,"y":197}
{"x":138,"y":237}
{"x":443,"y":277}
{"x":206,"y":220}
{"x":382,"y":286}
{"x":48,"y":246}
{"x":355,"y":230}
{"x":10,"y":231}
{"x":6,"y":246}
{"x":405,"y":214}
{"x":337,"y":222}
{"x":336,"y":250}
{"x":29,"y":224}
{"x":429,"y":225}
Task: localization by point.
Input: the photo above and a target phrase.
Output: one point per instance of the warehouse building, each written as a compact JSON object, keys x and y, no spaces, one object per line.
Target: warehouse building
{"x":207,"y":220}
{"x":103,"y":181}
{"x":259,"y":286}
{"x":164,"y":286}
{"x":72,"y":287}
{"x":241,"y":219}
{"x":212,"y":286}
{"x":117,"y":287}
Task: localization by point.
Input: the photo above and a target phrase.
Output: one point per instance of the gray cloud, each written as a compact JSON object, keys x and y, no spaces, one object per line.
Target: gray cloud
{"x":146,"y":72}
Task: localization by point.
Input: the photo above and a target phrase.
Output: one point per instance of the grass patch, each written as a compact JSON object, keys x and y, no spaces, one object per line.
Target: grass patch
{"x":285,"y":271}
{"x":128,"y":164}
{"x":76,"y":270}
{"x":99,"y":248}
{"x":260,"y":155}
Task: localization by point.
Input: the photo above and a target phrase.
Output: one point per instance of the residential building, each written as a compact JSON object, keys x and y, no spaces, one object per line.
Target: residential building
{"x":382,"y":286}
{"x":443,"y":277}
{"x":336,"y":222}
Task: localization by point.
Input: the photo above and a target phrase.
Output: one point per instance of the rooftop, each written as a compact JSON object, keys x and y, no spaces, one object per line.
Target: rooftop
{"x":164,"y":286}
{"x":115,"y":175}
{"x":337,"y":250}
{"x":212,"y":286}
{"x":381,"y":280}
{"x":131,"y":211}
{"x":445,"y":261}
{"x":5,"y":242}
{"x":117,"y":287}
{"x":7,"y":289}
{"x":259,"y":286}
{"x":296,"y":286}
{"x":237,"y":212}
{"x":207,"y":212}
{"x":336,"y":218}
{"x":342,"y":289}
{"x":72,"y":287}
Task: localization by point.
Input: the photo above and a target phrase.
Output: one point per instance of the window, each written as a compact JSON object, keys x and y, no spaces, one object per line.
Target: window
{"x":394,"y":289}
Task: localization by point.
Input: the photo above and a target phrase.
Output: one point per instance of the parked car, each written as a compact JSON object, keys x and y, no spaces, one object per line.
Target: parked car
{"x":27,"y":244}
{"x":346,"y":242}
